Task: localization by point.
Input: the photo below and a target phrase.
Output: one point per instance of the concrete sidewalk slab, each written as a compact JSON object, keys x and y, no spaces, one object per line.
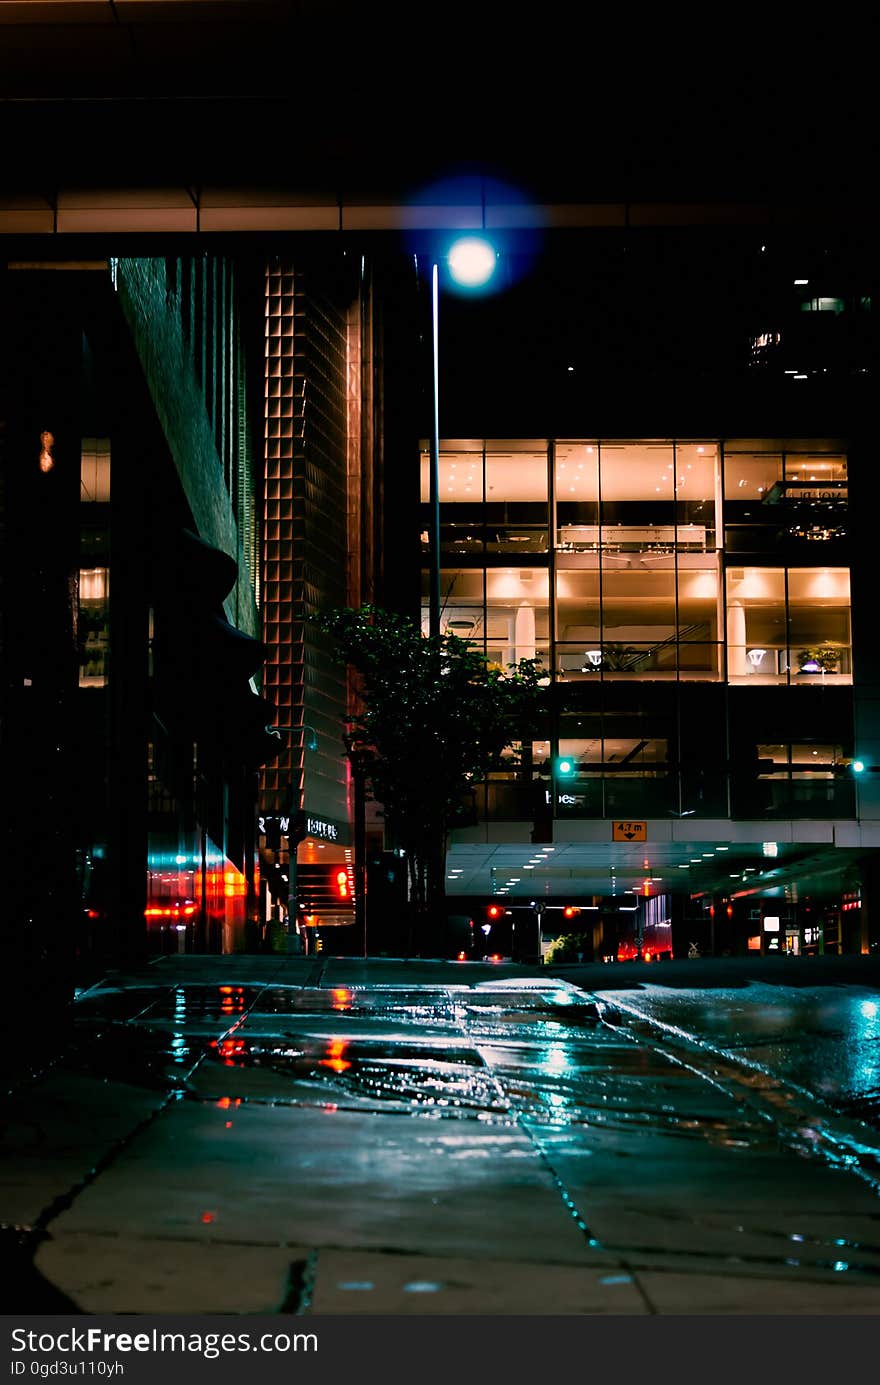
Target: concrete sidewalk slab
{"x":119,"y":1273}
{"x":331,"y":1177}
{"x":701,"y":1293}
{"x":56,"y":1131}
{"x":360,"y":1282}
{"x":461,"y":1138}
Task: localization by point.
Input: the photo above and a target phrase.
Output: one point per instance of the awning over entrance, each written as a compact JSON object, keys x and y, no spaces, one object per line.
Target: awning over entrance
{"x":763,"y":859}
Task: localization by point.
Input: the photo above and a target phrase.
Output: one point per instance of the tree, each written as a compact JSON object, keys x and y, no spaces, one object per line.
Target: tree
{"x":435,"y":718}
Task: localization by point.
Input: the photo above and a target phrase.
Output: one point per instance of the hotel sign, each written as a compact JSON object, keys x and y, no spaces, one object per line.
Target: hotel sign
{"x":317,"y":827}
{"x":297,"y":826}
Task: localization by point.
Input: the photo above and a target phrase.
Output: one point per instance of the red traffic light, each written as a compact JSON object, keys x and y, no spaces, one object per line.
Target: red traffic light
{"x":494,"y":911}
{"x":570,"y":911}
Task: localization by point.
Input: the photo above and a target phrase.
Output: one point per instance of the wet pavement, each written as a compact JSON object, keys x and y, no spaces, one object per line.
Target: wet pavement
{"x":311,"y":1136}
{"x":824,"y":1040}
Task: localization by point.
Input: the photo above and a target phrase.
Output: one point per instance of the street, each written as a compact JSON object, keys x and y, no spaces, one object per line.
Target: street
{"x":331,"y":1136}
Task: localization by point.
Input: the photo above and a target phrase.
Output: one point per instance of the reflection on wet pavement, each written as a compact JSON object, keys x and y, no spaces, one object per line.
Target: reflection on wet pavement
{"x":824,"y":1040}
{"x":620,"y":1099}
{"x":544,"y":1051}
{"x":409,"y":1074}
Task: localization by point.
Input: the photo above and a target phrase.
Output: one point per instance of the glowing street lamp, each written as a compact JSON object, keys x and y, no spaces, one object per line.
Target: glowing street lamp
{"x":471,"y":261}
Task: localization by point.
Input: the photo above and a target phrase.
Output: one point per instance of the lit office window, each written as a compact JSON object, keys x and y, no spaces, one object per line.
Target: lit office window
{"x":697,"y":492}
{"x":782,"y":501}
{"x":516,"y":500}
{"x":503,"y":612}
{"x":93,"y":626}
{"x":461,"y":474}
{"x":749,"y":476}
{"x":756,"y":626}
{"x":819,"y":624}
{"x":788,"y":625}
{"x":494,"y":546}
{"x":462,"y":604}
{"x":814,"y":499}
{"x":462,"y":535}
{"x":578,"y":557}
{"x":634,"y":529}
{"x":637,"y":567}
{"x":517,"y":614}
{"x":94,"y":474}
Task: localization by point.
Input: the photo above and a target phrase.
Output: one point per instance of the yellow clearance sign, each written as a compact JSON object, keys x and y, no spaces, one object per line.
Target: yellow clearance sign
{"x":629,"y":832}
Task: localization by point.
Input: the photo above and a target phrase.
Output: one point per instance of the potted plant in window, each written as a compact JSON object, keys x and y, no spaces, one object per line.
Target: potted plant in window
{"x":620,"y":658}
{"x":823,"y":658}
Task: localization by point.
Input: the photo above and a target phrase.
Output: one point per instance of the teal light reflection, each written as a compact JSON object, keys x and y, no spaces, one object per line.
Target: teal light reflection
{"x":556,"y":1060}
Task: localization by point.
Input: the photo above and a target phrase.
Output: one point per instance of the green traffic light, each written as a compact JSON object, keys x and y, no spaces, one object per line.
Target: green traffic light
{"x":565,"y":766}
{"x":858,"y":766}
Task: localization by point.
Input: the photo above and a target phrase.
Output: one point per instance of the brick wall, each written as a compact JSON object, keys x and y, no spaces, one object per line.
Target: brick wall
{"x":308,"y":479}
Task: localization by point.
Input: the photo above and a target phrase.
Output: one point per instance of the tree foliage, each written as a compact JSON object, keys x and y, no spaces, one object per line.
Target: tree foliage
{"x":435,"y":717}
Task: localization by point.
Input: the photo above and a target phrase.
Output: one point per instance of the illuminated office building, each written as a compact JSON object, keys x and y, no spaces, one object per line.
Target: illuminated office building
{"x":691,"y":602}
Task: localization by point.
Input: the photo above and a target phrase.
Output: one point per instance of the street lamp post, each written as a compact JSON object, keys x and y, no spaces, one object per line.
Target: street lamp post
{"x":471,"y":261}
{"x":434,"y":486}
{"x":358,"y":775}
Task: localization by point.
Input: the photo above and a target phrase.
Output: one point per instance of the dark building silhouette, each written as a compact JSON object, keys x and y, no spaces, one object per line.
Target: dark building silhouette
{"x":132,"y":728}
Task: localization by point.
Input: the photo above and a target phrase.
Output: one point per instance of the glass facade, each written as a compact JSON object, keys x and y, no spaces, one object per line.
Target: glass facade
{"x":93,"y":626}
{"x":652,"y":577}
{"x":788,"y":625}
{"x":93,"y":590}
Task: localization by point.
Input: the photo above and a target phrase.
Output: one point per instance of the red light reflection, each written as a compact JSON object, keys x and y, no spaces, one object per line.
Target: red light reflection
{"x":230,"y":1049}
{"x":334,"y":1059}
